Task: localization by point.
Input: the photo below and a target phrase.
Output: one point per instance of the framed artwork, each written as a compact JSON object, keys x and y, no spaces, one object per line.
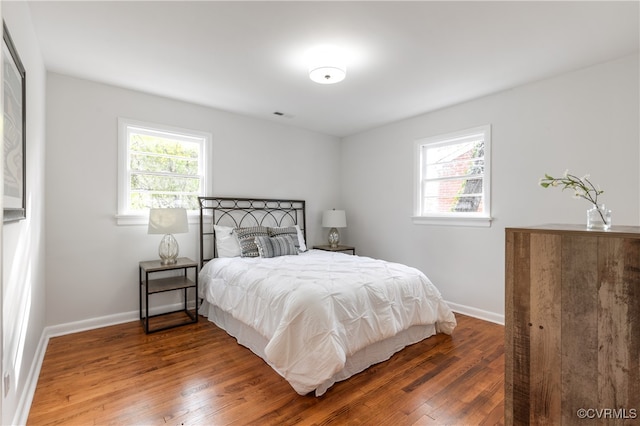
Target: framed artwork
{"x":14,"y":132}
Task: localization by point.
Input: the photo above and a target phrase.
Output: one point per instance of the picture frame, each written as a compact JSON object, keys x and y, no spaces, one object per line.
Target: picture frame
{"x":14,"y":131}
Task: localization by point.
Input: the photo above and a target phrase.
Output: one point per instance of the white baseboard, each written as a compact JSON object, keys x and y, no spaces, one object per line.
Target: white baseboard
{"x":99,"y":322}
{"x":90,"y":324}
{"x":24,"y":404}
{"x":477,"y":313}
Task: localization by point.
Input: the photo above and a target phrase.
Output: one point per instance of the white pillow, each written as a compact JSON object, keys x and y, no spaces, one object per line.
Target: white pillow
{"x":303,"y":245}
{"x":227,"y":243}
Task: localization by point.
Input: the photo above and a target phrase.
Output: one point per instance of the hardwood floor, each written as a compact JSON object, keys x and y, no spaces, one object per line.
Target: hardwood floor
{"x":198,"y":375}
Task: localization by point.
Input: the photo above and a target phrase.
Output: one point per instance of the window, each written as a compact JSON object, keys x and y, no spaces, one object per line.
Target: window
{"x":453,"y":178}
{"x":159,"y":166}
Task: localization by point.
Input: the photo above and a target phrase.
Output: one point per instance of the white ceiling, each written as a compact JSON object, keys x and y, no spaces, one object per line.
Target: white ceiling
{"x":405,"y":58}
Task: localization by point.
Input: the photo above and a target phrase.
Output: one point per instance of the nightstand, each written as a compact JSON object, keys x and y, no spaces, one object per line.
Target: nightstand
{"x":339,"y":248}
{"x":172,"y":283}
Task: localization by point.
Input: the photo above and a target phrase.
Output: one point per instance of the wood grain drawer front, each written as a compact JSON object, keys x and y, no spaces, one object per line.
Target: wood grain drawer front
{"x":572,"y":326}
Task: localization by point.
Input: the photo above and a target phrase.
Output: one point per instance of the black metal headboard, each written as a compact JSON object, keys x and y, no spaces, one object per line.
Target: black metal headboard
{"x":244,"y":212}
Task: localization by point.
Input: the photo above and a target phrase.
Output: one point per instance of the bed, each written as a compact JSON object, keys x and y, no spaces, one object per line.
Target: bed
{"x":316,"y":317}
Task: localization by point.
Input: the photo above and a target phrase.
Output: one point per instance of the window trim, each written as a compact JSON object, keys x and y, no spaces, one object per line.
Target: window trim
{"x":126,"y":217}
{"x":454,"y":218}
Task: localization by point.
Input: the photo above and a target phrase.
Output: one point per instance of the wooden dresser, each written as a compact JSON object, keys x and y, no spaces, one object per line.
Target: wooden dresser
{"x":572,"y":326}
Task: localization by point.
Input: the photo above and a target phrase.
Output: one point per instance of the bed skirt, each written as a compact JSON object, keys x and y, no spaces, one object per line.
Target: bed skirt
{"x":359,"y":361}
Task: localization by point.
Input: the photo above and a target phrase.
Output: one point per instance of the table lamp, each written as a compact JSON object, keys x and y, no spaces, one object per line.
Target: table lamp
{"x":334,"y":219}
{"x":168,"y":222}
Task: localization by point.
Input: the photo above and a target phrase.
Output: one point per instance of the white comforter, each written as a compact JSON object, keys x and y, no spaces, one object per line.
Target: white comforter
{"x":317,"y":308}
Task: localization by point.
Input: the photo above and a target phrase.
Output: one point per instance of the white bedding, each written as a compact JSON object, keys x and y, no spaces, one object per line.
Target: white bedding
{"x":316,"y":309}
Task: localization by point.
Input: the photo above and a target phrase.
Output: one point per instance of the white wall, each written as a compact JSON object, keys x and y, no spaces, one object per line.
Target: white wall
{"x":23,"y":246}
{"x":586,"y":121}
{"x":92,"y":263}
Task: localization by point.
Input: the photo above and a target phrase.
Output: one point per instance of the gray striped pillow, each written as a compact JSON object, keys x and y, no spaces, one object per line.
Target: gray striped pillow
{"x":276,"y":246}
{"x":289,"y":230}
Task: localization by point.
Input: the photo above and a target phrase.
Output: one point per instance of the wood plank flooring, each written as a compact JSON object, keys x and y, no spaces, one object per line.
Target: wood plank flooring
{"x":198,"y":375}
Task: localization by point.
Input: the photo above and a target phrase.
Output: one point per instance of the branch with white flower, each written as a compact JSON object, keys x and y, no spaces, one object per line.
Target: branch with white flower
{"x":581,"y":187}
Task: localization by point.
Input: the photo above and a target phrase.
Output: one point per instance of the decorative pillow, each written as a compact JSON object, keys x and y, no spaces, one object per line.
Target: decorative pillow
{"x":227,"y":244}
{"x":294,"y":231}
{"x":303,"y":244}
{"x":276,"y":246}
{"x":247,"y":239}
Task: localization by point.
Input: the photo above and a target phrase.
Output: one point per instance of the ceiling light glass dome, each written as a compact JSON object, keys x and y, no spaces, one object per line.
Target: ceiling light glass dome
{"x":326,"y":65}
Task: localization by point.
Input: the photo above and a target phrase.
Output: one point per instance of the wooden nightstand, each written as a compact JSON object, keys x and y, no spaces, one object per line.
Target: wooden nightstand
{"x":339,"y":248}
{"x":161,"y":285}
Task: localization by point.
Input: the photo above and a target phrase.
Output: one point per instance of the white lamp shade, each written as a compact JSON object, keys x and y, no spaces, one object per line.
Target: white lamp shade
{"x":168,"y":221}
{"x":334,"y":219}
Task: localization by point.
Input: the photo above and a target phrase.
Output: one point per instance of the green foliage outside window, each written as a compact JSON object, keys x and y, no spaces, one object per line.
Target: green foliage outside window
{"x":470,"y":195}
{"x":164,"y":172}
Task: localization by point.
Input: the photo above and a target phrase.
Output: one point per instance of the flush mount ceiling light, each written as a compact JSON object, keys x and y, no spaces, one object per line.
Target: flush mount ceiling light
{"x":326,"y":65}
{"x":327,"y":74}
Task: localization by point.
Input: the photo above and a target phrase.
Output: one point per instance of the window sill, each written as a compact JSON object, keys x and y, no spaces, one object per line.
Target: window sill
{"x":479,"y":222}
{"x":129,"y":219}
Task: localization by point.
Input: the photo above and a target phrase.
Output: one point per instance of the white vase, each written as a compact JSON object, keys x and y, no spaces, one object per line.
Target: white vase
{"x":598,"y":218}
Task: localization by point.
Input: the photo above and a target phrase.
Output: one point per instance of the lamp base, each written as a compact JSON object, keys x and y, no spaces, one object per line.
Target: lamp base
{"x":334,"y":238}
{"x":168,"y":250}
